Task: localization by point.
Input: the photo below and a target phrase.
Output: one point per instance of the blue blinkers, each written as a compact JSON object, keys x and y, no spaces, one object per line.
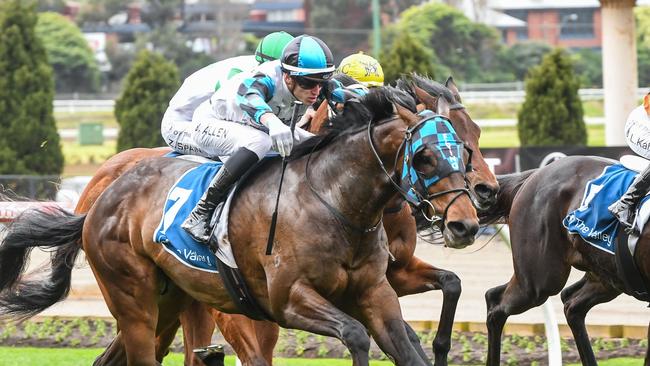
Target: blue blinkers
{"x":436,"y":133}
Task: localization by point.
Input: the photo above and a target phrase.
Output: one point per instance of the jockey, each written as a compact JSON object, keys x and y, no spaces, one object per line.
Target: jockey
{"x":249,"y":115}
{"x":200,"y":86}
{"x":363,"y":68}
{"x":637,"y":136}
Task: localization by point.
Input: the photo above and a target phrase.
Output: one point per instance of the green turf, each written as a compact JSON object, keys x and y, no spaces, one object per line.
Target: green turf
{"x":18,"y":356}
{"x":508,"y":137}
{"x":72,"y":120}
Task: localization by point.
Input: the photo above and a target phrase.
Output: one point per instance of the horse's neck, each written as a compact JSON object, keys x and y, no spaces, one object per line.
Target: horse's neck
{"x":348,"y":175}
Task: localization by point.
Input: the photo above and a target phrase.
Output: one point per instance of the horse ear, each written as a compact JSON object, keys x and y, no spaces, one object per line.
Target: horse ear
{"x":424,"y":97}
{"x":451,"y":85}
{"x":409,"y":117}
{"x":443,"y":106}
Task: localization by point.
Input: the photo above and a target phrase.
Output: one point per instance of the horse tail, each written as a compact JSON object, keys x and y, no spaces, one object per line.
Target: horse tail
{"x":52,"y":228}
{"x":509,"y":185}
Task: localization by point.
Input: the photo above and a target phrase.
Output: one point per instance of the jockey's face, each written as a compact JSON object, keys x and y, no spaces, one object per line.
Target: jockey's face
{"x":304,"y":93}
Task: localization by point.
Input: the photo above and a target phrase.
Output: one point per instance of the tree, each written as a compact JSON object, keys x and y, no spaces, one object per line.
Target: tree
{"x":407,"y":55}
{"x":74,"y":64}
{"x":521,"y":57}
{"x":29,"y":142}
{"x":642,"y":14}
{"x":150,"y":85}
{"x":470,"y":49}
{"x":552,"y":111}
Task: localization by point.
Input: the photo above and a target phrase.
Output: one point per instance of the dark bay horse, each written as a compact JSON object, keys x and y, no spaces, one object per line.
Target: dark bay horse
{"x":255,"y":340}
{"x":533,"y":204}
{"x":310,"y":285}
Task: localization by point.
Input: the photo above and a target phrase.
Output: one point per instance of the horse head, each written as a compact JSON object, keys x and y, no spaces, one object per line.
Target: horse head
{"x":482,"y":182}
{"x":431,"y":166}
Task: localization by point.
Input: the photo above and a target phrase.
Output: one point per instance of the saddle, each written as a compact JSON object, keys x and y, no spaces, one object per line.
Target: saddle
{"x":217,"y":256}
{"x":598,"y":227}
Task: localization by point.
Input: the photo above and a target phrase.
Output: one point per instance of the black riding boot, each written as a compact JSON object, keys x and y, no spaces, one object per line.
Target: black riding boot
{"x":211,"y":355}
{"x":625,"y":208}
{"x":197,"y":223}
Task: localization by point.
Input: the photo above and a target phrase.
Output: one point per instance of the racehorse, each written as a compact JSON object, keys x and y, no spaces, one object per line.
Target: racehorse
{"x":254,"y":340}
{"x":534,"y":203}
{"x":311,"y":285}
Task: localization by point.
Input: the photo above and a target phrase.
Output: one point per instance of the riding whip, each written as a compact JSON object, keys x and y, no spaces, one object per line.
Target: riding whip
{"x":274,"y":218}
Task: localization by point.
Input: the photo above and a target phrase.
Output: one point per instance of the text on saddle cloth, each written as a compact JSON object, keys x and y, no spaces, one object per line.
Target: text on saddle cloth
{"x":592,"y":220}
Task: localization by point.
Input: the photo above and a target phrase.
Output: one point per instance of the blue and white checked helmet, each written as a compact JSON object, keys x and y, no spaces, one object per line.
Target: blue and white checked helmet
{"x":309,"y":57}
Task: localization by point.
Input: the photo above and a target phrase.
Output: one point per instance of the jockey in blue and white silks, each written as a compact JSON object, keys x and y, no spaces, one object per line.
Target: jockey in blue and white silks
{"x":249,"y":115}
{"x":637,"y":136}
{"x":202,"y":84}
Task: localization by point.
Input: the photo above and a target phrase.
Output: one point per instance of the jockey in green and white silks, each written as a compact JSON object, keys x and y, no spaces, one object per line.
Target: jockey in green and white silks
{"x":202,"y":84}
{"x":637,"y":136}
{"x":249,"y":115}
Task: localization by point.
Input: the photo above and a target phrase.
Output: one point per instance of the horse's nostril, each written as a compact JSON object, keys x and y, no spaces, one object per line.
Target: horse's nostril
{"x":463,"y":228}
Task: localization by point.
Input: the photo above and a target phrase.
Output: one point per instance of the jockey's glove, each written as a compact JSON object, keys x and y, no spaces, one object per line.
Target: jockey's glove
{"x":281,"y":138}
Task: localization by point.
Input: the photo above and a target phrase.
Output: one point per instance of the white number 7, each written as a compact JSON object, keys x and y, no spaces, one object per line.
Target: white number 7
{"x":180,"y":196}
{"x":593,"y":191}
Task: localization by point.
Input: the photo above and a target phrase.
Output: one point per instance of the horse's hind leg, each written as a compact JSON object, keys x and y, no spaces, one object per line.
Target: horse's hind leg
{"x":417,"y":277}
{"x":198,"y":327}
{"x":130,"y":285}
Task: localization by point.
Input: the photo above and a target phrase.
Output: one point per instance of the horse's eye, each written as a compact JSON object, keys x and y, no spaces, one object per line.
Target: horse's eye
{"x":425,"y":163}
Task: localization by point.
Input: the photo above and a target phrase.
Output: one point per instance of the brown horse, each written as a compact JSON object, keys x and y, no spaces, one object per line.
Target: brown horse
{"x":406,"y":273}
{"x":543,"y":251}
{"x":340,"y":262}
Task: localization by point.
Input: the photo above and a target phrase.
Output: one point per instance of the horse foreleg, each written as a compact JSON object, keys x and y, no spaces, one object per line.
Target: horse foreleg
{"x":578,"y":299}
{"x":198,"y":327}
{"x":509,"y":299}
{"x":381,"y":314}
{"x":305,"y":309}
{"x":252,"y":340}
{"x":417,"y":277}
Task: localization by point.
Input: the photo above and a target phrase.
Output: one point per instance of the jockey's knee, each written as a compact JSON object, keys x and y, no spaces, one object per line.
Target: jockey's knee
{"x":257,"y":142}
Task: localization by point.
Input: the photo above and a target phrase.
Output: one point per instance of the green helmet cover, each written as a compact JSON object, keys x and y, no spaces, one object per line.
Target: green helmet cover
{"x":270,"y":47}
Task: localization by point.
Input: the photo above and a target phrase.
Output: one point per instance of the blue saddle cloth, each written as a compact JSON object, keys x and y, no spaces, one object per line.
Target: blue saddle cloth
{"x":592,"y":221}
{"x":181,"y":199}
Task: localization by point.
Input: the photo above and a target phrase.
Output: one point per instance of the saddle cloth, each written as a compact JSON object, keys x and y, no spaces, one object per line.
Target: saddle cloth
{"x":592,"y":220}
{"x":181,"y":199}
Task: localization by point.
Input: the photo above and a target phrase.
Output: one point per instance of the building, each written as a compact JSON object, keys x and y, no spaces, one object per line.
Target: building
{"x":268,"y":16}
{"x":565,"y":23}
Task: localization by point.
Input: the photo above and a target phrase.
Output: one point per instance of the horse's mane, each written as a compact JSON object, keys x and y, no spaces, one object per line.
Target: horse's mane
{"x":432,"y":87}
{"x":374,"y":106}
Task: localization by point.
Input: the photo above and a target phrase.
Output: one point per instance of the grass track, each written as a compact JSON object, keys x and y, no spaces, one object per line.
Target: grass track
{"x":18,"y":356}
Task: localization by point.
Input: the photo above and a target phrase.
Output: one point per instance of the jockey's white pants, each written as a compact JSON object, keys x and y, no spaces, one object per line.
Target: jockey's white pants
{"x":211,"y":137}
{"x":637,"y":132}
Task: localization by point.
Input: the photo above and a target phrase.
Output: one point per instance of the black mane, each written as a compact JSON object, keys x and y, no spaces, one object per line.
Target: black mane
{"x":375,"y":106}
{"x":432,"y":87}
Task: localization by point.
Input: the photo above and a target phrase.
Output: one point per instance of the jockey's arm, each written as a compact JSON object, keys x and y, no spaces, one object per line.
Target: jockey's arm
{"x":253,"y":95}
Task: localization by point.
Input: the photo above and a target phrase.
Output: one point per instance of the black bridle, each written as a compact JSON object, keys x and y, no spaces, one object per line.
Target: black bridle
{"x":424,"y":197}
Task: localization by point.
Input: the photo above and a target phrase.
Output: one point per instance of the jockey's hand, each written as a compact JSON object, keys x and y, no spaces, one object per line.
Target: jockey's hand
{"x":280,"y":134}
{"x":307,"y":117}
{"x":301,"y":135}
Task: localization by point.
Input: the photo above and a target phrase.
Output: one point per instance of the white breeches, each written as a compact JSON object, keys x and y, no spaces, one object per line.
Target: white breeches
{"x":211,"y":137}
{"x":637,"y":132}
